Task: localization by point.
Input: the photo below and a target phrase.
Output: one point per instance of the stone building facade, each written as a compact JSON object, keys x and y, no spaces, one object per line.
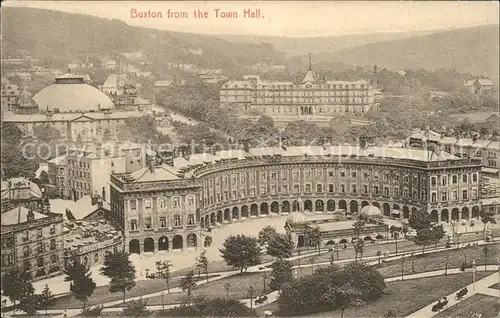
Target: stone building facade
{"x":235,"y":185}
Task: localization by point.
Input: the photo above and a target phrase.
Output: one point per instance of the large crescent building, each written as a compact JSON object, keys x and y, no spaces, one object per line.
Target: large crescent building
{"x":166,"y":208}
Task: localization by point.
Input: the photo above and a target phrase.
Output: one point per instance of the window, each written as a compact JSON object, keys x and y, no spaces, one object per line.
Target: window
{"x":386,"y":191}
{"x":190,"y":201}
{"x":39,"y":232}
{"x":296,"y":175}
{"x":454,"y":195}
{"x":133,"y":205}
{"x":474,"y":193}
{"x":242,"y":178}
{"x":217,"y":181}
{"x":147,"y":204}
{"x":444,"y":196}
{"x":176,"y":202}
{"x":319,"y":188}
{"x":353,"y":188}
{"x":284,"y":189}
{"x":342,"y":174}
{"x":233,"y":179}
{"x":177,"y":220}
{"x":191,"y":219}
{"x":284,"y":175}
{"x":163,"y":221}
{"x":464,"y":178}
{"x":474,"y":177}
{"x":252,"y":192}
{"x":307,"y":174}
{"x":375,"y":189}
{"x":386,"y":177}
{"x":147,"y":222}
{"x":365,"y":188}
{"x":52,"y":244}
{"x":163,"y":203}
{"x":365,"y":175}
{"x":433,"y":197}
{"x":26,"y":265}
{"x":433,"y":181}
{"x":308,"y":188}
{"x":406,"y":193}
{"x":296,"y":188}
{"x":330,"y":174}
{"x":233,"y":195}
{"x":454,"y":179}
{"x":342,"y":188}
{"x":53,"y":258}
{"x":225,"y":180}
{"x":133,"y":225}
{"x":263,"y":190}
{"x":39,"y":262}
{"x":464,"y":195}
{"x":319,"y":174}
{"x":226,"y":196}
{"x":444,"y":180}
{"x":40,"y":247}
{"x":353,"y":174}
{"x":252,"y":176}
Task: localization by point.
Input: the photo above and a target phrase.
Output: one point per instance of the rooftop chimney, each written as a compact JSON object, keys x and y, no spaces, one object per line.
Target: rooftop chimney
{"x":94,"y":199}
{"x":31,"y":216}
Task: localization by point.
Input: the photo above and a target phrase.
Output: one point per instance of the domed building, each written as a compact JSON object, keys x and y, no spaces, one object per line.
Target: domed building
{"x":70,"y":93}
{"x":79,"y":111}
{"x":296,"y":218}
{"x":371,"y":211}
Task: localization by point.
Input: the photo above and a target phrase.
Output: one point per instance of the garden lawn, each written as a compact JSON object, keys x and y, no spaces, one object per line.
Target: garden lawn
{"x":437,"y":261}
{"x":486,"y":305}
{"x":406,"y":297}
{"x":214,"y":267}
{"x":103,"y":295}
{"x":371,"y":249}
{"x":239,"y":289}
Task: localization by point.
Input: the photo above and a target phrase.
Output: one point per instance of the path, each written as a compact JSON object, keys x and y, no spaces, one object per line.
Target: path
{"x":481,"y":287}
{"x":222,"y":275}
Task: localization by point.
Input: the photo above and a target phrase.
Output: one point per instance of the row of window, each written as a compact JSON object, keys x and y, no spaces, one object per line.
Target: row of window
{"x":454,"y":179}
{"x":162,"y":222}
{"x":40,"y":248}
{"x":342,"y":188}
{"x":40,"y":262}
{"x":454,"y":196}
{"x":162,"y":203}
{"x":39,"y":234}
{"x":298,"y":86}
{"x":308,"y":175}
{"x":293,"y":93}
{"x":78,"y":184}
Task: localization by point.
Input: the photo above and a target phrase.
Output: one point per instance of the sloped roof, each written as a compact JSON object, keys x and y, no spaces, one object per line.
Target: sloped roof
{"x":19,"y":215}
{"x":162,"y":172}
{"x":79,"y":209}
{"x":20,"y":188}
{"x":309,"y":77}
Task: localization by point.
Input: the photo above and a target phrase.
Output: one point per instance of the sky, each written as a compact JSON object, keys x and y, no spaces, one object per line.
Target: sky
{"x":292,"y":19}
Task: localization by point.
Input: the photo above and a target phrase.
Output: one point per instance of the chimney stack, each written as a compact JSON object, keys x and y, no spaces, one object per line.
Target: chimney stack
{"x":31,"y":216}
{"x":94,"y":199}
{"x":103,"y":193}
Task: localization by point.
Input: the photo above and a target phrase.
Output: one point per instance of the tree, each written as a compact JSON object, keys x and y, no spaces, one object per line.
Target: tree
{"x":46,"y":133}
{"x":281,"y":273}
{"x":281,"y":246}
{"x":163,"y":270}
{"x":358,"y":226}
{"x":486,"y":217}
{"x":266,"y":234}
{"x":44,"y":177}
{"x":136,"y":308}
{"x":241,"y":251}
{"x":121,"y":271}
{"x":394,"y":230}
{"x":420,"y":220}
{"x":202,"y":264}
{"x":438,"y":233}
{"x":424,"y":237}
{"x":82,"y":285}
{"x":366,"y":279}
{"x":16,"y":286}
{"x":18,"y":159}
{"x":46,"y":298}
{"x":359,"y":248}
{"x":188,"y":283}
{"x":313,"y":237}
{"x":345,"y":296}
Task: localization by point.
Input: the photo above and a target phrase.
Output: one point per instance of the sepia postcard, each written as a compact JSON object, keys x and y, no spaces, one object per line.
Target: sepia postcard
{"x":250,"y":159}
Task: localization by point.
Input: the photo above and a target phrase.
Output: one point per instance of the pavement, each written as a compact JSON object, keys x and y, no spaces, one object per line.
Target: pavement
{"x":480,"y":287}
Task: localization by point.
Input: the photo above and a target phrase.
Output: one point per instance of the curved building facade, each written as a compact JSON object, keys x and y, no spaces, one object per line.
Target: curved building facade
{"x":236,"y":185}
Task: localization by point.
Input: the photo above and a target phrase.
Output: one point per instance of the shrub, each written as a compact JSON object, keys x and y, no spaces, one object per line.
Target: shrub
{"x":136,"y":308}
{"x":211,"y":307}
{"x":92,"y":311}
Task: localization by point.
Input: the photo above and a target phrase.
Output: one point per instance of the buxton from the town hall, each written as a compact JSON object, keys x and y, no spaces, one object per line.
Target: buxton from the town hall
{"x":250,"y":159}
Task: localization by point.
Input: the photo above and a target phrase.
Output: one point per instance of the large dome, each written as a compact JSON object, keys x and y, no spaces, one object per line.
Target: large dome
{"x":72,"y":98}
{"x":296,"y":218}
{"x":371,"y":211}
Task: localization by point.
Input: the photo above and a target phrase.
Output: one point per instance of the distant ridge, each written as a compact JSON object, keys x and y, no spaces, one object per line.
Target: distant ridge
{"x":474,"y":50}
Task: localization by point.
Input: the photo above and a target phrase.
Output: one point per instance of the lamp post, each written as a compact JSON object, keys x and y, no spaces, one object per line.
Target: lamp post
{"x":474,"y":276}
{"x":403,"y":267}
{"x":162,"y":302}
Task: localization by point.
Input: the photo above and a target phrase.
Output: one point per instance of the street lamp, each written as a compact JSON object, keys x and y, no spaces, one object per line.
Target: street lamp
{"x":474,"y":276}
{"x":162,"y":302}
